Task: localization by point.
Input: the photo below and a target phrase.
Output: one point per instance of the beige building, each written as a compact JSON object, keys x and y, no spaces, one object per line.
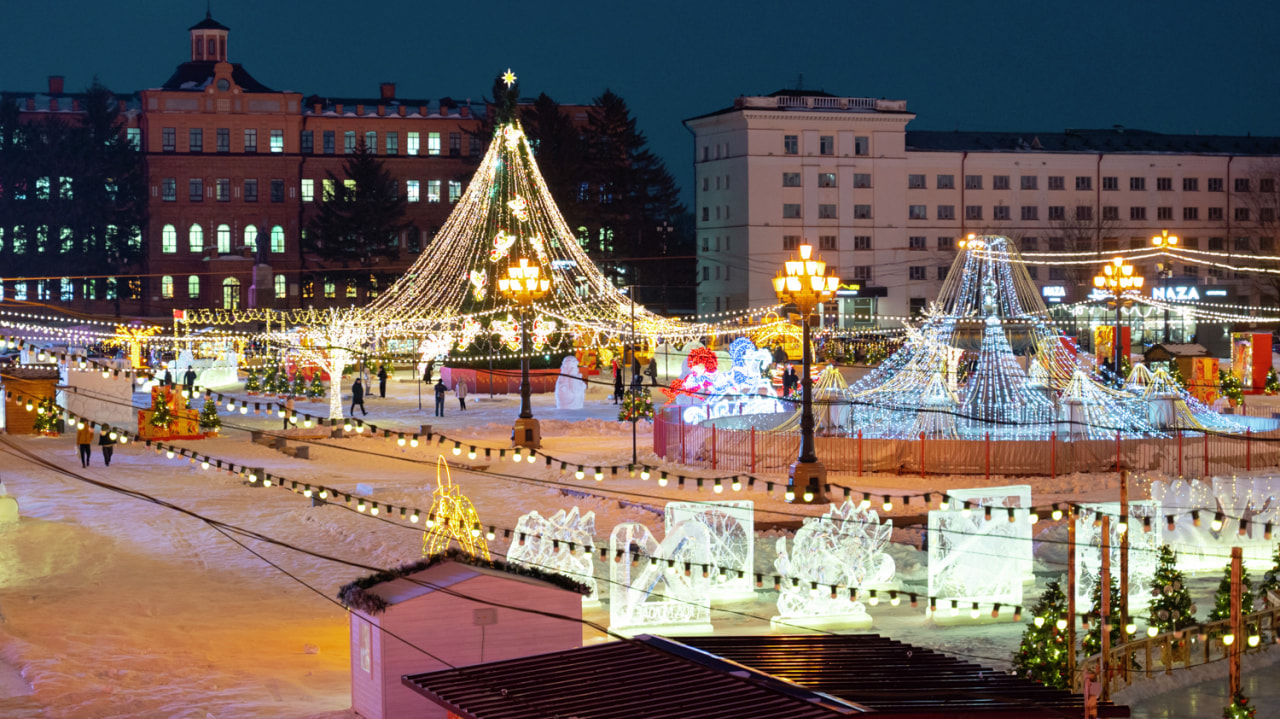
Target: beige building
{"x":887,"y":205}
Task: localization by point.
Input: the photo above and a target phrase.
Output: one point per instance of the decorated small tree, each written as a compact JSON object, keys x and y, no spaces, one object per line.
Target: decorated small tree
{"x":1222,"y":597}
{"x":1126,"y":366}
{"x":315,"y":390}
{"x":1043,"y":653}
{"x":1092,"y":643}
{"x":1272,"y":385}
{"x":283,"y":385}
{"x":1175,"y":373}
{"x":1171,"y":608}
{"x":161,"y":415}
{"x":269,"y":380}
{"x":210,"y":422}
{"x":1229,"y":385}
{"x":46,"y":421}
{"x":299,"y":386}
{"x":252,"y":381}
{"x":1239,"y":708}
{"x":635,"y":407}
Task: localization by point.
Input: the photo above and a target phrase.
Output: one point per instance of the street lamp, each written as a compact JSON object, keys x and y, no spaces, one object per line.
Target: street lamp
{"x":523,"y":286}
{"x":1163,"y":241}
{"x":1118,"y":278}
{"x":806,"y":284}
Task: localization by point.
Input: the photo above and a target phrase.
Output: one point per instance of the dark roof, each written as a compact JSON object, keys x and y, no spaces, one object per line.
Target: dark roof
{"x":208,"y":23}
{"x":197,"y":74}
{"x":799,"y":93}
{"x":31,"y":372}
{"x":890,"y":676}
{"x":1115,"y":140}
{"x":619,"y":680}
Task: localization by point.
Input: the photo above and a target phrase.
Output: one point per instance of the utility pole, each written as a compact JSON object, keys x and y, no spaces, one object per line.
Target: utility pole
{"x":1104,"y":613}
{"x":1235,"y":647}
{"x":1125,"y":529}
{"x":1071,"y":593}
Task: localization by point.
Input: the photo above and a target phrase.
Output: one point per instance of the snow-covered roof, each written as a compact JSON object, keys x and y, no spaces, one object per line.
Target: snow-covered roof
{"x":1182,"y":350}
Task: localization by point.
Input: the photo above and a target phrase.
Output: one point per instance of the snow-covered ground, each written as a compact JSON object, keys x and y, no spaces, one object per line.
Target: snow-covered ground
{"x":113,"y":606}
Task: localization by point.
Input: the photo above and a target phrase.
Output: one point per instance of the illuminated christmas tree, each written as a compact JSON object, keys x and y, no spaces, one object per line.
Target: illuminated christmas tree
{"x":1239,"y":708}
{"x":161,"y":415}
{"x":1043,"y":653}
{"x":1222,"y":597}
{"x":46,"y":421}
{"x":1092,"y":643}
{"x":1171,"y":608}
{"x":209,"y":419}
{"x":1272,"y":385}
{"x":636,"y":406}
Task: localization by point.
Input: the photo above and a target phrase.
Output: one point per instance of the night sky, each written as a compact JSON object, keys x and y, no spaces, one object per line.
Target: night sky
{"x":1177,"y":66}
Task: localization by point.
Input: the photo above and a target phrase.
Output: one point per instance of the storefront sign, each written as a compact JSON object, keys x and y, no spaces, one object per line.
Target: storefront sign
{"x":1176,"y":293}
{"x":1054,"y":293}
{"x":848,"y":288}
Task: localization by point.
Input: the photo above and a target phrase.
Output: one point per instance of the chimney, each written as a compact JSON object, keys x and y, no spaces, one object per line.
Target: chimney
{"x":388,"y":90}
{"x":55,"y":84}
{"x":465,"y":110}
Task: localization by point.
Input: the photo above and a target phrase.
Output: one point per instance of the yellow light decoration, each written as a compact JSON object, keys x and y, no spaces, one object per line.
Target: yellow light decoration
{"x":502,"y":243}
{"x":541,"y":331}
{"x":479,"y":281}
{"x":455,"y":516}
{"x":132,"y":338}
{"x":508,"y":332}
{"x":520,"y":208}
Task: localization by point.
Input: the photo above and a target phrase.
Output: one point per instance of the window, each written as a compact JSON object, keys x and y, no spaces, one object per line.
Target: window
{"x":1057,"y":212}
{"x":706,"y":183}
{"x":393,"y":143}
{"x":1191,"y":270}
{"x":862,"y":273}
{"x":1190,"y":184}
{"x":193,"y":287}
{"x":412,"y":190}
{"x":1242,"y":214}
{"x":999,"y":182}
{"x":789,"y":210}
{"x":827,"y":145}
{"x":1084,"y":183}
{"x":973,"y":182}
{"x":251,"y":237}
{"x":195,"y":140}
{"x":917,"y":212}
{"x":1267,"y":184}
{"x":1164,"y":184}
{"x":250,"y":190}
{"x":973,"y":212}
{"x":1267,"y":244}
{"x":1057,"y":182}
{"x":223,"y":189}
{"x":1030,"y":212}
{"x":282,"y":287}
{"x":330,"y":289}
{"x":1241,"y":244}
{"x":916,"y":273}
{"x":706,"y":271}
{"x":825,"y":242}
{"x":1242,"y":184}
{"x":1000,"y":212}
{"x":277,"y":240}
{"x":826,"y":212}
{"x":166,"y":287}
{"x":1028,"y":182}
{"x":250,"y":140}
{"x":474,"y":145}
{"x":349,"y":142}
{"x":223,"y":139}
{"x":455,"y":144}
{"x":1137,"y":184}
{"x":169,"y":139}
{"x":1111,"y":212}
{"x":862,"y":180}
{"x":277,"y":190}
{"x":946,"y":212}
{"x":1164,"y":213}
{"x":134,"y":136}
{"x":946,"y":243}
{"x":433,"y":143}
{"x":277,"y":140}
{"x":916,"y":182}
{"x":308,"y":142}
{"x":791,"y":144}
{"x":411,"y":144}
{"x":371,"y":142}
{"x":826,"y":179}
{"x":1057,"y":274}
{"x":433,"y":190}
{"x":326,"y":190}
{"x":946,"y":182}
{"x":789,"y":242}
{"x":169,"y":189}
{"x":862,"y":146}
{"x":231,"y":294}
{"x":918,"y":243}
{"x":1215,"y":184}
{"x":1215,"y":214}
{"x":1110,"y":183}
{"x":1137,"y":213}
{"x":195,"y":189}
{"x":308,"y":190}
{"x":862,"y":212}
{"x":168,"y":239}
{"x":455,"y":190}
{"x":1191,"y":213}
{"x":328,"y":142}
{"x":1137,"y":243}
{"x":224,"y":239}
{"x":942,"y":274}
{"x":790,"y":179}
{"x":1084,"y":213}
{"x":1057,"y":244}
{"x":195,"y":239}
{"x":1028,"y":244}
{"x":862,"y":242}
{"x":1266,"y":214}
{"x":1216,"y":244}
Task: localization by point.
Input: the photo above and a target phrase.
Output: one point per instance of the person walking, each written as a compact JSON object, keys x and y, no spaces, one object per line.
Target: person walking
{"x":288,"y":412}
{"x":617,"y":383}
{"x":461,"y":390}
{"x":107,"y":443}
{"x":382,"y":381}
{"x":440,"y":390}
{"x":426,"y":375}
{"x":168,"y":378}
{"x":84,"y":439}
{"x":189,"y":381}
{"x":357,"y":398}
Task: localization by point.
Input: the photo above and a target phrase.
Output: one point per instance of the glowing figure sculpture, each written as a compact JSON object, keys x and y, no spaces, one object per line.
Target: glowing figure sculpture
{"x":479,"y":281}
{"x":502,"y":243}
{"x":717,"y":391}
{"x":660,"y":584}
{"x":562,"y":543}
{"x":470,"y":330}
{"x":508,"y":332}
{"x":1220,"y":505}
{"x":1143,"y":549}
{"x":731,"y":531}
{"x":980,"y":556}
{"x":540,"y":334}
{"x":132,"y":337}
{"x":452,"y":518}
{"x":843,"y":548}
{"x":519,"y":208}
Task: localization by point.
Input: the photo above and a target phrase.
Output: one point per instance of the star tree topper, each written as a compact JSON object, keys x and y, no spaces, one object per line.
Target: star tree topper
{"x":509,"y":77}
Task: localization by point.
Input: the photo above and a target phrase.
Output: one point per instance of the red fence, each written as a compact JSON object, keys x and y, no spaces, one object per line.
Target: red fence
{"x":1183,"y":453}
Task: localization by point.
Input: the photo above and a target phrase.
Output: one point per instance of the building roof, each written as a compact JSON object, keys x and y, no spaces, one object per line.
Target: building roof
{"x":30,"y":372}
{"x":1182,"y":350}
{"x":892,"y":677}
{"x":445,"y":106}
{"x":198,"y":74}
{"x":619,"y":680}
{"x":1111,"y":141}
{"x":208,"y":23}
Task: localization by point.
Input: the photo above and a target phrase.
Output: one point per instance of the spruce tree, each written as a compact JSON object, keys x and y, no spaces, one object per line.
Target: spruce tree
{"x":209,"y":419}
{"x":299,"y":387}
{"x":1271,"y":582}
{"x":1093,"y":639}
{"x":1043,"y":653}
{"x":252,"y":382}
{"x":1239,"y":708}
{"x":1222,"y":597}
{"x":1175,"y":373}
{"x":316,"y":388}
{"x":1171,"y":608}
{"x":161,"y":415}
{"x":46,"y":421}
{"x":1272,"y":385}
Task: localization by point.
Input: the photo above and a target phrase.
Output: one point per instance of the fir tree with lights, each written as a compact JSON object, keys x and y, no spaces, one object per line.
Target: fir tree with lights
{"x":1043,"y":653}
{"x":46,"y":421}
{"x":1171,"y":608}
{"x":252,"y":382}
{"x":636,"y":406}
{"x":1272,"y":385}
{"x":1175,"y":374}
{"x":315,"y":390}
{"x":1222,"y":597}
{"x":299,"y":387}
{"x":1239,"y":708}
{"x":1229,"y":386}
{"x":161,"y":415}
{"x":283,"y":385}
{"x":1093,"y":639}
{"x":210,"y":422}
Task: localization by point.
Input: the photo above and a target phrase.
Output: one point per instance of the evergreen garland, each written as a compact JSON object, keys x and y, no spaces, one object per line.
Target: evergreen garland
{"x":1042,"y":655}
{"x":1239,"y":708}
{"x":46,"y":421}
{"x":1171,"y":608}
{"x":636,"y":406}
{"x":209,"y":419}
{"x":161,"y":415}
{"x":316,"y":388}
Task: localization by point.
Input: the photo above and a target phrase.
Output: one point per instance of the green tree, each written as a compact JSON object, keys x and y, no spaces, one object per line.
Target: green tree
{"x":161,"y":415}
{"x":46,"y":421}
{"x":1222,"y":597}
{"x":1042,"y":656}
{"x":1171,"y":608}
{"x":316,"y":388}
{"x":252,"y":381}
{"x":1272,"y":384}
{"x":1175,"y":373}
{"x":1092,"y":643}
{"x":1229,"y":385}
{"x":1271,"y":582}
{"x":209,"y":419}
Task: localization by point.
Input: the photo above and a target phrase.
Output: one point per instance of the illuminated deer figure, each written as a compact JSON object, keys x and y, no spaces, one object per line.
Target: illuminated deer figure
{"x":452,"y":517}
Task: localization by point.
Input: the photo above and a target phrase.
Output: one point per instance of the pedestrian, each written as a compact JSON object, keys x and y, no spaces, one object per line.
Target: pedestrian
{"x":107,"y":441}
{"x":168,"y":378}
{"x":288,"y":412}
{"x":426,"y":375}
{"x":357,"y":398}
{"x":382,"y":381}
{"x":189,"y":381}
{"x":461,"y":390}
{"x":652,"y":371}
{"x":440,"y":390}
{"x":617,"y":383}
{"x":84,"y":439}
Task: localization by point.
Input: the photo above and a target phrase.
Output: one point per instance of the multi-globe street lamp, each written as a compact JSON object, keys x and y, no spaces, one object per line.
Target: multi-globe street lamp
{"x":805,"y":283}
{"x":1117,"y":277}
{"x":1162,"y":241}
{"x":524,"y":286}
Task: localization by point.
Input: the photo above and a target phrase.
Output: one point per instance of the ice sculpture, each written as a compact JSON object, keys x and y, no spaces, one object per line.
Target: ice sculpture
{"x":1254,"y":499}
{"x":844,"y":549}
{"x":976,"y":555}
{"x":1143,"y":546}
{"x":563,"y":543}
{"x":660,"y":584}
{"x":731,"y":531}
{"x":571,"y":389}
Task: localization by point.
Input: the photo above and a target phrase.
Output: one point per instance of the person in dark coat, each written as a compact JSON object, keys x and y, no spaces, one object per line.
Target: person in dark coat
{"x":107,"y":443}
{"x":382,"y":381}
{"x":189,"y":381}
{"x":789,"y":381}
{"x":440,"y":390}
{"x":168,"y":378}
{"x":357,"y":398}
{"x":426,"y":375}
{"x":617,"y":384}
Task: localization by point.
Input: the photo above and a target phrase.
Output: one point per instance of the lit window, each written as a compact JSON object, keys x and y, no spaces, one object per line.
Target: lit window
{"x":371,"y":142}
{"x":411,"y":147}
{"x":193,"y":287}
{"x":349,"y":141}
{"x":134,"y":136}
{"x":277,"y":140}
{"x":282,"y":287}
{"x":277,"y":239}
{"x":169,"y":189}
{"x":330,"y":289}
{"x":168,"y":239}
{"x":224,"y":239}
{"x":308,"y":190}
{"x":412,"y":190}
{"x":393,"y":143}
{"x":251,"y":237}
{"x":64,"y":188}
{"x":455,"y":190}
{"x":351,"y":288}
{"x":433,"y":190}
{"x":195,"y":239}
{"x":250,"y":140}
{"x":166,"y":287}
{"x":326,"y":189}
{"x":433,"y":143}
{"x":68,"y":290}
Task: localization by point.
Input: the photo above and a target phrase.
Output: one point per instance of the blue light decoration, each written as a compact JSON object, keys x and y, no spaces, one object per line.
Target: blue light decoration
{"x":742,"y":389}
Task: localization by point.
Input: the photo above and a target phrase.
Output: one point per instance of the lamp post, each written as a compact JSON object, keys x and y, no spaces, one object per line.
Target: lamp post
{"x":523,"y":286}
{"x":1163,"y":241}
{"x":806,"y":284}
{"x":1117,"y":277}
